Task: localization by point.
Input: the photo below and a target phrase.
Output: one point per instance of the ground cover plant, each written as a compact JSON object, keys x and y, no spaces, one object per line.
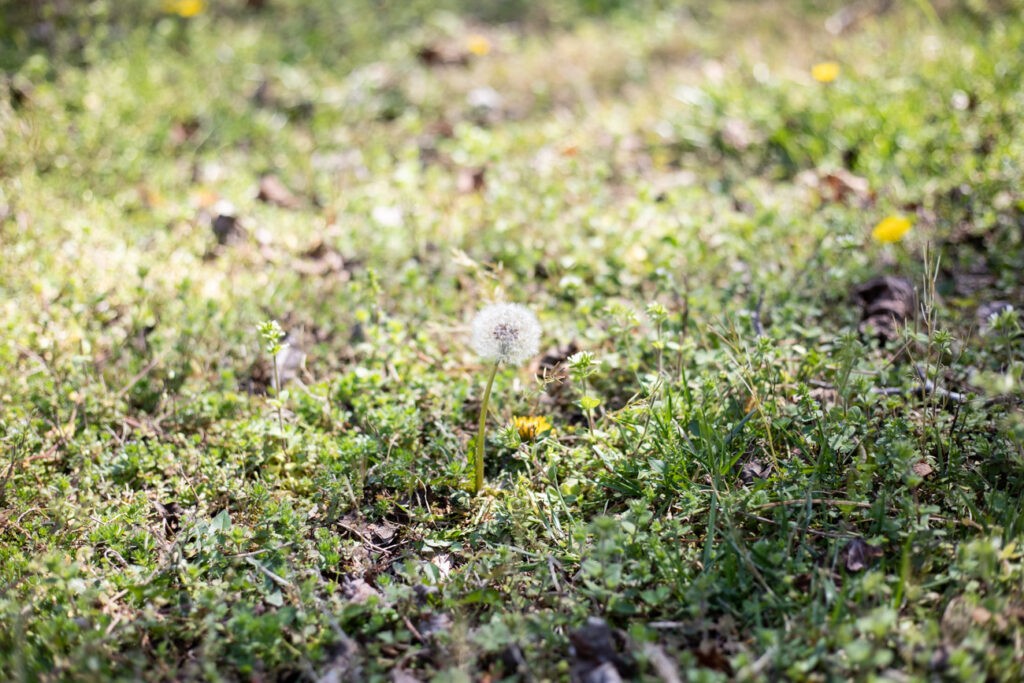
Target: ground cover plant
{"x":773,"y":430}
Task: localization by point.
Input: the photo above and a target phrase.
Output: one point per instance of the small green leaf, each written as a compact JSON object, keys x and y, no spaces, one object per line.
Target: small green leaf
{"x":222,"y":522}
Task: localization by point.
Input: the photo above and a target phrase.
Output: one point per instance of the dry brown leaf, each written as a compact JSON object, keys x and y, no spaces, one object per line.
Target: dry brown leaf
{"x":273,"y":191}
{"x":227,"y":228}
{"x":886,"y":303}
{"x":471,"y":180}
{"x":922,"y":469}
{"x":857,"y":555}
{"x":319,"y":260}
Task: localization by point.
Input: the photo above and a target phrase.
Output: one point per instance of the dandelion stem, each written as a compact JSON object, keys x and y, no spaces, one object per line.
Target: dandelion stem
{"x":479,"y":461}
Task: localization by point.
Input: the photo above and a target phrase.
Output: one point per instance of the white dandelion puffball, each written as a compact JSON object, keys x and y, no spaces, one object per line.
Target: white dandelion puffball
{"x":506,"y":333}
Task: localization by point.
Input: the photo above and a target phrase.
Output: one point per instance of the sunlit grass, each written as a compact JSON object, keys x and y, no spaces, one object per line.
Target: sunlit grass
{"x":710,"y":450}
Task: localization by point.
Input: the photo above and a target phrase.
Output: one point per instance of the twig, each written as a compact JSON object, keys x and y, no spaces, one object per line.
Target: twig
{"x":813,"y":501}
{"x":554,"y":575}
{"x":7,"y":477}
{"x":140,"y":375}
{"x":17,"y":459}
{"x":969,"y":523}
{"x":755,"y":316}
{"x":813,"y":532}
{"x":362,"y":536}
{"x":666,"y":669}
{"x":926,"y":388}
{"x":930,"y":388}
{"x":757,"y":667}
{"x":412,"y":629}
{"x":254,"y":553}
{"x":269,"y":574}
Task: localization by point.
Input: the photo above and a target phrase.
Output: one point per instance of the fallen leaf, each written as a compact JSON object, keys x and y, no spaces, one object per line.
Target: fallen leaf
{"x":553,"y":371}
{"x":402,"y":676}
{"x":183,"y":131}
{"x":826,"y":397}
{"x":444,"y":54}
{"x":663,"y":666}
{"x":844,"y":186}
{"x":273,"y":191}
{"x":975,"y":278}
{"x":754,"y":469}
{"x":922,"y":469}
{"x":319,"y":260}
{"x":226,"y":226}
{"x":736,"y":134}
{"x":383,"y":532}
{"x":886,"y":303}
{"x":554,"y":362}
{"x":857,"y":555}
{"x":471,"y":180}
{"x":148,"y":196}
{"x":513,"y":661}
{"x":342,"y":664}
{"x":956,"y":619}
{"x":443,"y":565}
{"x":939,"y":659}
{"x":603,"y":673}
{"x":288,"y":361}
{"x":434,"y":624}
{"x":838,"y":186}
{"x":593,"y":641}
{"x":595,"y":655}
{"x":710,"y":656}
{"x":358,"y":591}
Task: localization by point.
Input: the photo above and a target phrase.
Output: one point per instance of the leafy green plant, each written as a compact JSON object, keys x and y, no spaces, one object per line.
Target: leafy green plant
{"x":272,"y":336}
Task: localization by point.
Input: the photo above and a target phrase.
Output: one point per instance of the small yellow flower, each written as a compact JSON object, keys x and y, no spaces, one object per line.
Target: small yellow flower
{"x":478,"y":45}
{"x":825,"y":72}
{"x":184,"y":8}
{"x":531,"y":426}
{"x":891,"y":229}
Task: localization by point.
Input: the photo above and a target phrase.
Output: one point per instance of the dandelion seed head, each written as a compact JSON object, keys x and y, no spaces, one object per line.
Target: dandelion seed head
{"x":506,"y":333}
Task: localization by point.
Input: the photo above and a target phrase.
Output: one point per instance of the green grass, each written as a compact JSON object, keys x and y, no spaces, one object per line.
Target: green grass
{"x":762,"y":491}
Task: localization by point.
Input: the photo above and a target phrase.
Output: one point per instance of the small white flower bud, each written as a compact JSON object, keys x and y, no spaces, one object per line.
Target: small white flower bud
{"x":506,"y":333}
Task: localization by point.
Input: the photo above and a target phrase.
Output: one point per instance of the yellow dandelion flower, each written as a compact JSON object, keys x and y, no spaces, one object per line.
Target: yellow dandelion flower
{"x":478,"y":45}
{"x":184,"y":8}
{"x":825,"y":72}
{"x":891,"y":229}
{"x":531,"y":426}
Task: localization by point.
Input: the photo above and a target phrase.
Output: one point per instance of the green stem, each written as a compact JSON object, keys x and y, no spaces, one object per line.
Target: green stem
{"x":479,"y":480}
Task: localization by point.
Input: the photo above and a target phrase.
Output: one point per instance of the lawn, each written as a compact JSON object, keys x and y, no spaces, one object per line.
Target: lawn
{"x":772,"y":430}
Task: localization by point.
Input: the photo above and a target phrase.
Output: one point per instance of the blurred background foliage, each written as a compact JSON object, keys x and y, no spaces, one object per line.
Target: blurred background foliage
{"x":332,"y":32}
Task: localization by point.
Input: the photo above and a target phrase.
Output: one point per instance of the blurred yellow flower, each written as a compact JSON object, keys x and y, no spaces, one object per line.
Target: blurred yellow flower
{"x":825,"y":72}
{"x":531,"y":426}
{"x":184,"y":8}
{"x":891,"y":229}
{"x":478,"y":45}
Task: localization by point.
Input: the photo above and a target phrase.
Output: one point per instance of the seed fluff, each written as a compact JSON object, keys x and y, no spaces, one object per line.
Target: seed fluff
{"x":506,"y":333}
